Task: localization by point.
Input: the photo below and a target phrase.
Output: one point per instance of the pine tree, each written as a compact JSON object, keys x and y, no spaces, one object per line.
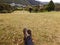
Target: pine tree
{"x":51,"y":6}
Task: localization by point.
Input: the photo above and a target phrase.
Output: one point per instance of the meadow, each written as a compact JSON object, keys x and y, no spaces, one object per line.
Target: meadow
{"x":45,"y":27}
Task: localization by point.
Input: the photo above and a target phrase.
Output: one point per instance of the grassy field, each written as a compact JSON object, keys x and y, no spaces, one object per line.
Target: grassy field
{"x":45,"y":27}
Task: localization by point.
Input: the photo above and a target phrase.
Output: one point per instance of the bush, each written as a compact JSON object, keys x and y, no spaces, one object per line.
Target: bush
{"x":30,"y":10}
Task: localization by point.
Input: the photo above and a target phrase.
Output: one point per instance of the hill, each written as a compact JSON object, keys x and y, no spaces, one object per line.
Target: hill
{"x":24,"y":2}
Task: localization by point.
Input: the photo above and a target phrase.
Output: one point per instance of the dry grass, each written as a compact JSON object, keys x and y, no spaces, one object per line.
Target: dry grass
{"x":45,"y":27}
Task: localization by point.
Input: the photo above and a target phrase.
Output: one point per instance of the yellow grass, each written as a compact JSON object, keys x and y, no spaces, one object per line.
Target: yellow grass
{"x":45,"y":27}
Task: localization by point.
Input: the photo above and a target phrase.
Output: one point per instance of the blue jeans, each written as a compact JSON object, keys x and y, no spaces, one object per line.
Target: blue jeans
{"x":28,"y":41}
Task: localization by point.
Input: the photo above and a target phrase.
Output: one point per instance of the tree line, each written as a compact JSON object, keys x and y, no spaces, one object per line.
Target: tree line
{"x":6,"y":8}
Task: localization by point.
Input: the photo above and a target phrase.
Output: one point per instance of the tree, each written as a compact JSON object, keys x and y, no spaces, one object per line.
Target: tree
{"x":50,"y":6}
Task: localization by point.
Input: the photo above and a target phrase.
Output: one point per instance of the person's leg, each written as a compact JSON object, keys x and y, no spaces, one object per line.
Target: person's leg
{"x":29,"y":38}
{"x":24,"y":32}
{"x":29,"y":32}
{"x":25,"y":35}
